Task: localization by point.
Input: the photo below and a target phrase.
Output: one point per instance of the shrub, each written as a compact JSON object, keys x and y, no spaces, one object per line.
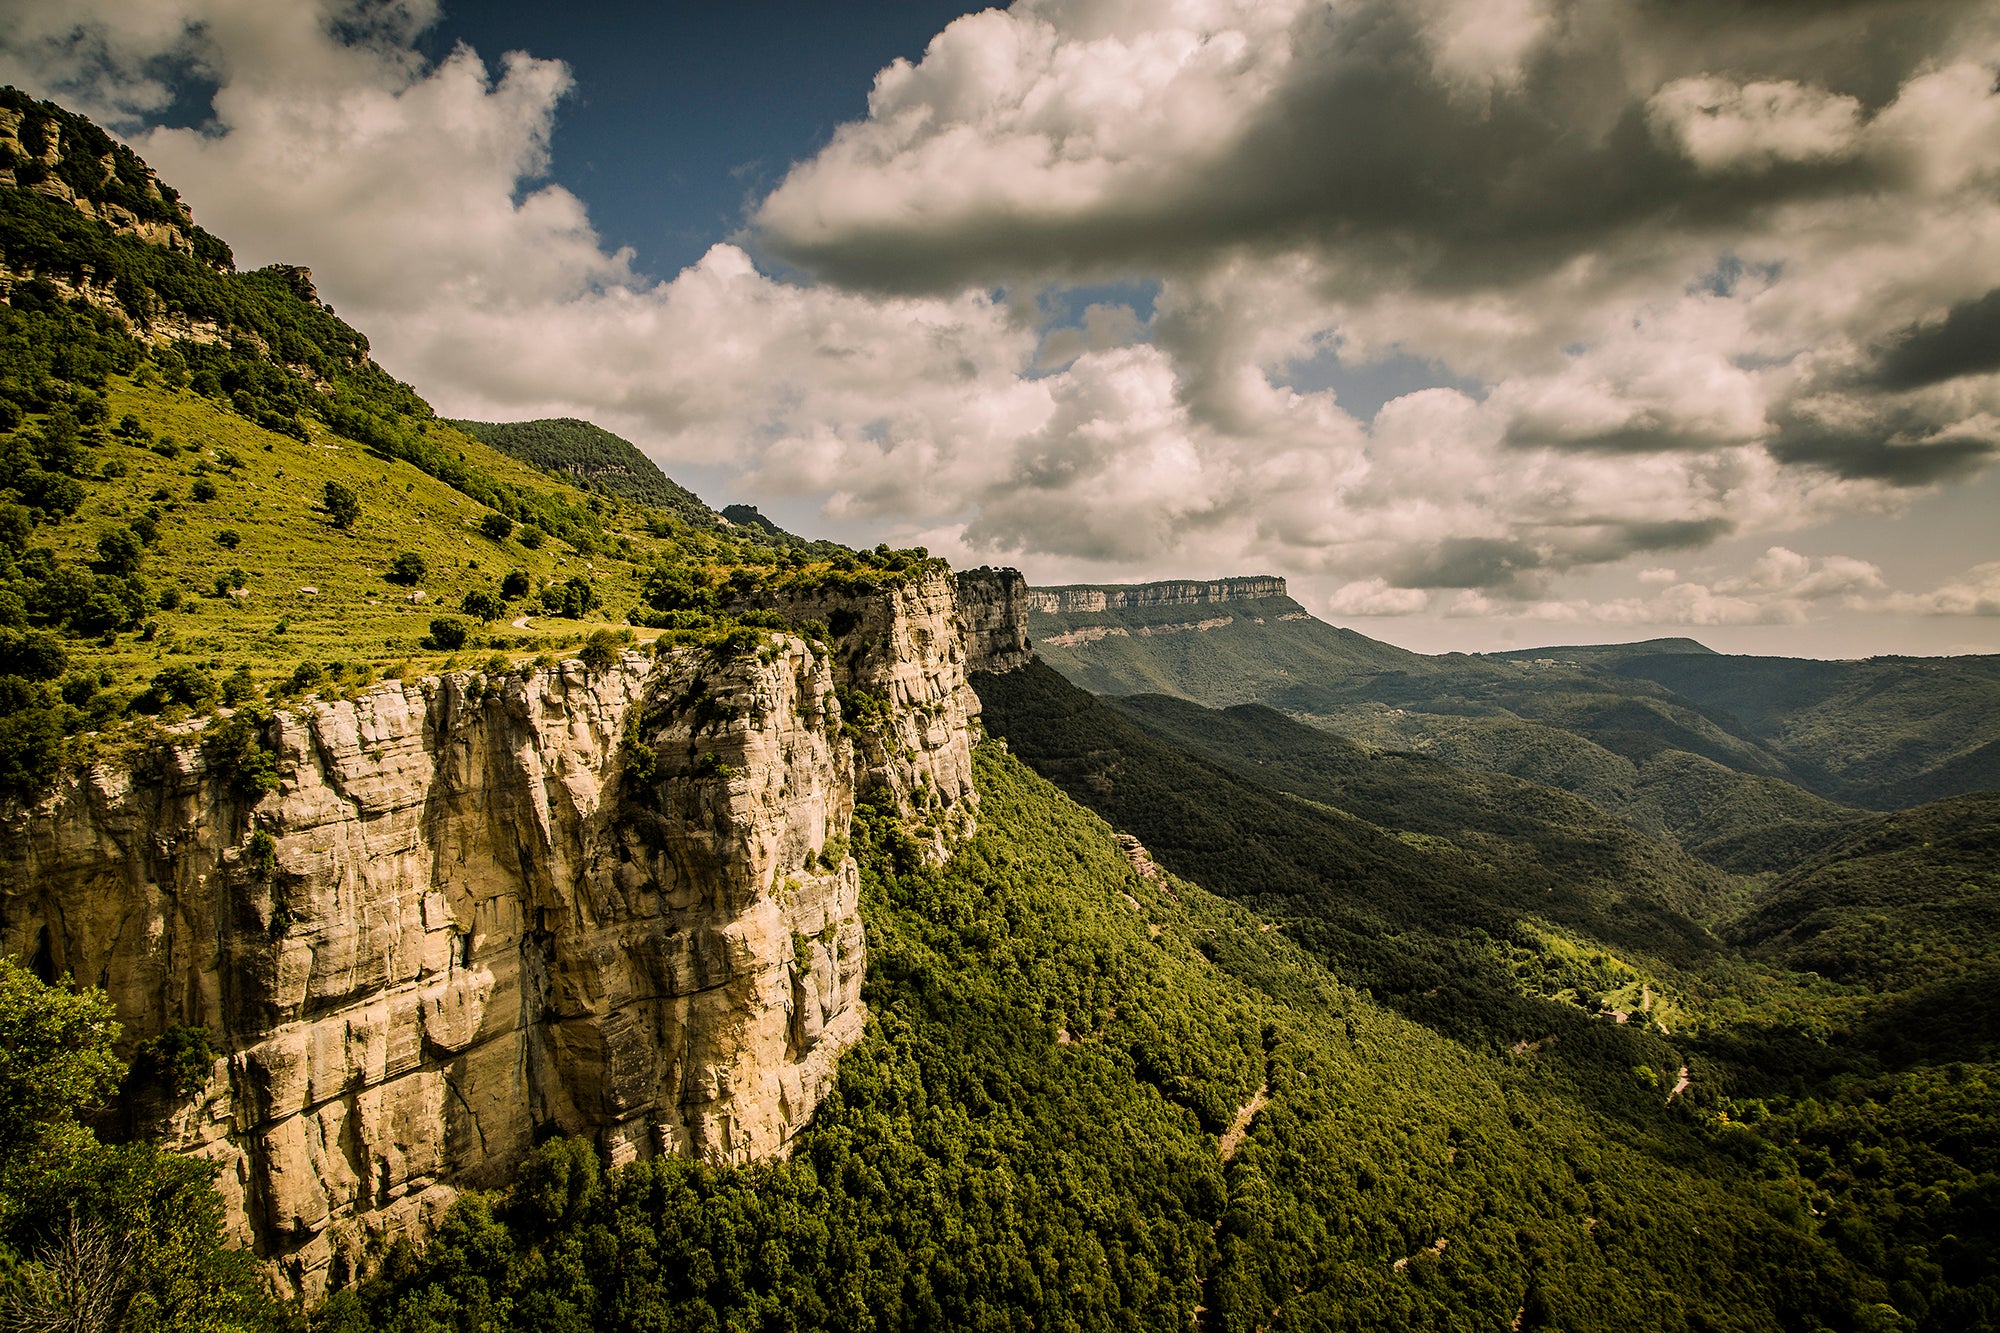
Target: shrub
{"x":229,"y":539}
{"x":341,"y":504}
{"x":497,"y":526}
{"x":237,"y":757}
{"x":178,"y":1060}
{"x":202,"y":491}
{"x":186,"y":686}
{"x":482,"y":606}
{"x":515,"y":585}
{"x":531,"y":536}
{"x":119,"y":550}
{"x":447,"y":634}
{"x":407,"y":568}
{"x":600,"y":650}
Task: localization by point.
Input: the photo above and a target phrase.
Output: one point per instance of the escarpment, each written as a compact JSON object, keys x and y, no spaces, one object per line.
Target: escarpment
{"x":477,"y":910}
{"x":1176,"y":592}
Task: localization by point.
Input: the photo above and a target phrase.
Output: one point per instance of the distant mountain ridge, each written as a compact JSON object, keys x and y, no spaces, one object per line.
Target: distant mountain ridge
{"x":1086,"y":597}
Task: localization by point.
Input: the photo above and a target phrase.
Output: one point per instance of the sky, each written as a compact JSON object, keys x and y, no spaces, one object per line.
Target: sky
{"x":1487,"y":323}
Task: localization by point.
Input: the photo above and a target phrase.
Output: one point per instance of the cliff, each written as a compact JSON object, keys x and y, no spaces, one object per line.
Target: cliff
{"x":1176,"y":592}
{"x":481,"y":909}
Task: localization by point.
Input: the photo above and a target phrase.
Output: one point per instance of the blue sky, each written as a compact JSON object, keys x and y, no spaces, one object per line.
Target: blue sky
{"x":1418,"y":303}
{"x":683,"y":114}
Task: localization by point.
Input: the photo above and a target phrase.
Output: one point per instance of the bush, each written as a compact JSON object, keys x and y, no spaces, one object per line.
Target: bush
{"x":341,"y":504}
{"x":497,"y":526}
{"x":229,"y":539}
{"x":202,"y":491}
{"x":482,"y":606}
{"x":601,"y":649}
{"x":186,"y":686}
{"x":516,"y":585}
{"x":575,"y":597}
{"x":531,"y":536}
{"x":237,"y":757}
{"x":407,"y":568}
{"x":119,"y":550}
{"x":447,"y":634}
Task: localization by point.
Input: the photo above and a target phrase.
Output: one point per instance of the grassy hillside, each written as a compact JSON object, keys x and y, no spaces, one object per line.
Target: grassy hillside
{"x":1537,"y":837}
{"x":1450,"y":932}
{"x":595,"y":459}
{"x":1032,"y":1136}
{"x":210,"y":494}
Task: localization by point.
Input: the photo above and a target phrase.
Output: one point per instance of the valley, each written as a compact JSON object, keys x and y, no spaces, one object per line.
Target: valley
{"x":452,"y":878}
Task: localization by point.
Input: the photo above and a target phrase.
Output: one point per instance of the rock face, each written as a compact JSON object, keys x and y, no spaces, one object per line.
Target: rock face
{"x":993,"y":604}
{"x":1178,"y":592}
{"x":478,"y":909}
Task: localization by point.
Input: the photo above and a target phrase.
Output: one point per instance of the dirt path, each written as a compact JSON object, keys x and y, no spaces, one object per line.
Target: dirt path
{"x":1239,"y":1128}
{"x":1681,"y":1086}
{"x":520,"y":622}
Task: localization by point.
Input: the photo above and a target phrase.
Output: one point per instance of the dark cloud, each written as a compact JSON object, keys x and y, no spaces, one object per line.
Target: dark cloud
{"x":1491,"y":564}
{"x":1364,"y":152}
{"x":1965,"y":342}
{"x":1894,"y":448}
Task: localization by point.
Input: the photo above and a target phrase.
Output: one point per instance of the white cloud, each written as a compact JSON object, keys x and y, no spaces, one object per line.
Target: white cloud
{"x":1667,"y":251}
{"x":1374,"y":597}
{"x":1725,"y":126}
{"x":1974,"y":593}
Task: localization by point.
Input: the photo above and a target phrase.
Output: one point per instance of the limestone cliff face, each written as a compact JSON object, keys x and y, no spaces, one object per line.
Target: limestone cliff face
{"x":993,"y":604}
{"x":614,"y":902}
{"x":1178,"y":592}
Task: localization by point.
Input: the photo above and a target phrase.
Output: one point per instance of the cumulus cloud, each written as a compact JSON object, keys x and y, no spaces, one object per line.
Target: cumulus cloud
{"x":1782,"y":587}
{"x":1689,"y":271}
{"x":1974,"y":593}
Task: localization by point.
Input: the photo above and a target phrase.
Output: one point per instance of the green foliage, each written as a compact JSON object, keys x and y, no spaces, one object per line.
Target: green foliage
{"x":594,"y":457}
{"x":482,"y":606}
{"x":234,"y":750}
{"x":178,"y":1060}
{"x":496,"y":526}
{"x":448,"y":634}
{"x":573,"y":598}
{"x":96,"y":1236}
{"x":190,"y":687}
{"x":342,"y":506}
{"x":602,"y":648}
{"x":1028,"y":1137}
{"x":407,"y":568}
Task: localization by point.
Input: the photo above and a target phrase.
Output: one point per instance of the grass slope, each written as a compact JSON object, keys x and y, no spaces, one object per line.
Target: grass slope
{"x":593,"y":457}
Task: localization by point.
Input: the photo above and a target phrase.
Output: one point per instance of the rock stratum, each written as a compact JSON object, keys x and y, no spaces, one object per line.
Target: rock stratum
{"x":479,"y":910}
{"x":1176,"y":592}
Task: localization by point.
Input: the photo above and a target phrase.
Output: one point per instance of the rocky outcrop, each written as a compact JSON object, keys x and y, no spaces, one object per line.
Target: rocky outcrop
{"x":993,"y":606}
{"x":1176,"y":592}
{"x":479,"y":909}
{"x":36,"y":167}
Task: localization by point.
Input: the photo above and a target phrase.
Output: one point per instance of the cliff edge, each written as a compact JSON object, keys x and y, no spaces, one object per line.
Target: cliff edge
{"x":481,"y":909}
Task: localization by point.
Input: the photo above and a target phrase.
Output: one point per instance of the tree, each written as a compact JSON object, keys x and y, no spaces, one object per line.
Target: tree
{"x":118,"y":550}
{"x":341,"y":505}
{"x":447,"y":634}
{"x":203,"y":491}
{"x":483,"y":606}
{"x":407,"y":568}
{"x":497,"y":526}
{"x":516,"y":585}
{"x":100,"y":1236}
